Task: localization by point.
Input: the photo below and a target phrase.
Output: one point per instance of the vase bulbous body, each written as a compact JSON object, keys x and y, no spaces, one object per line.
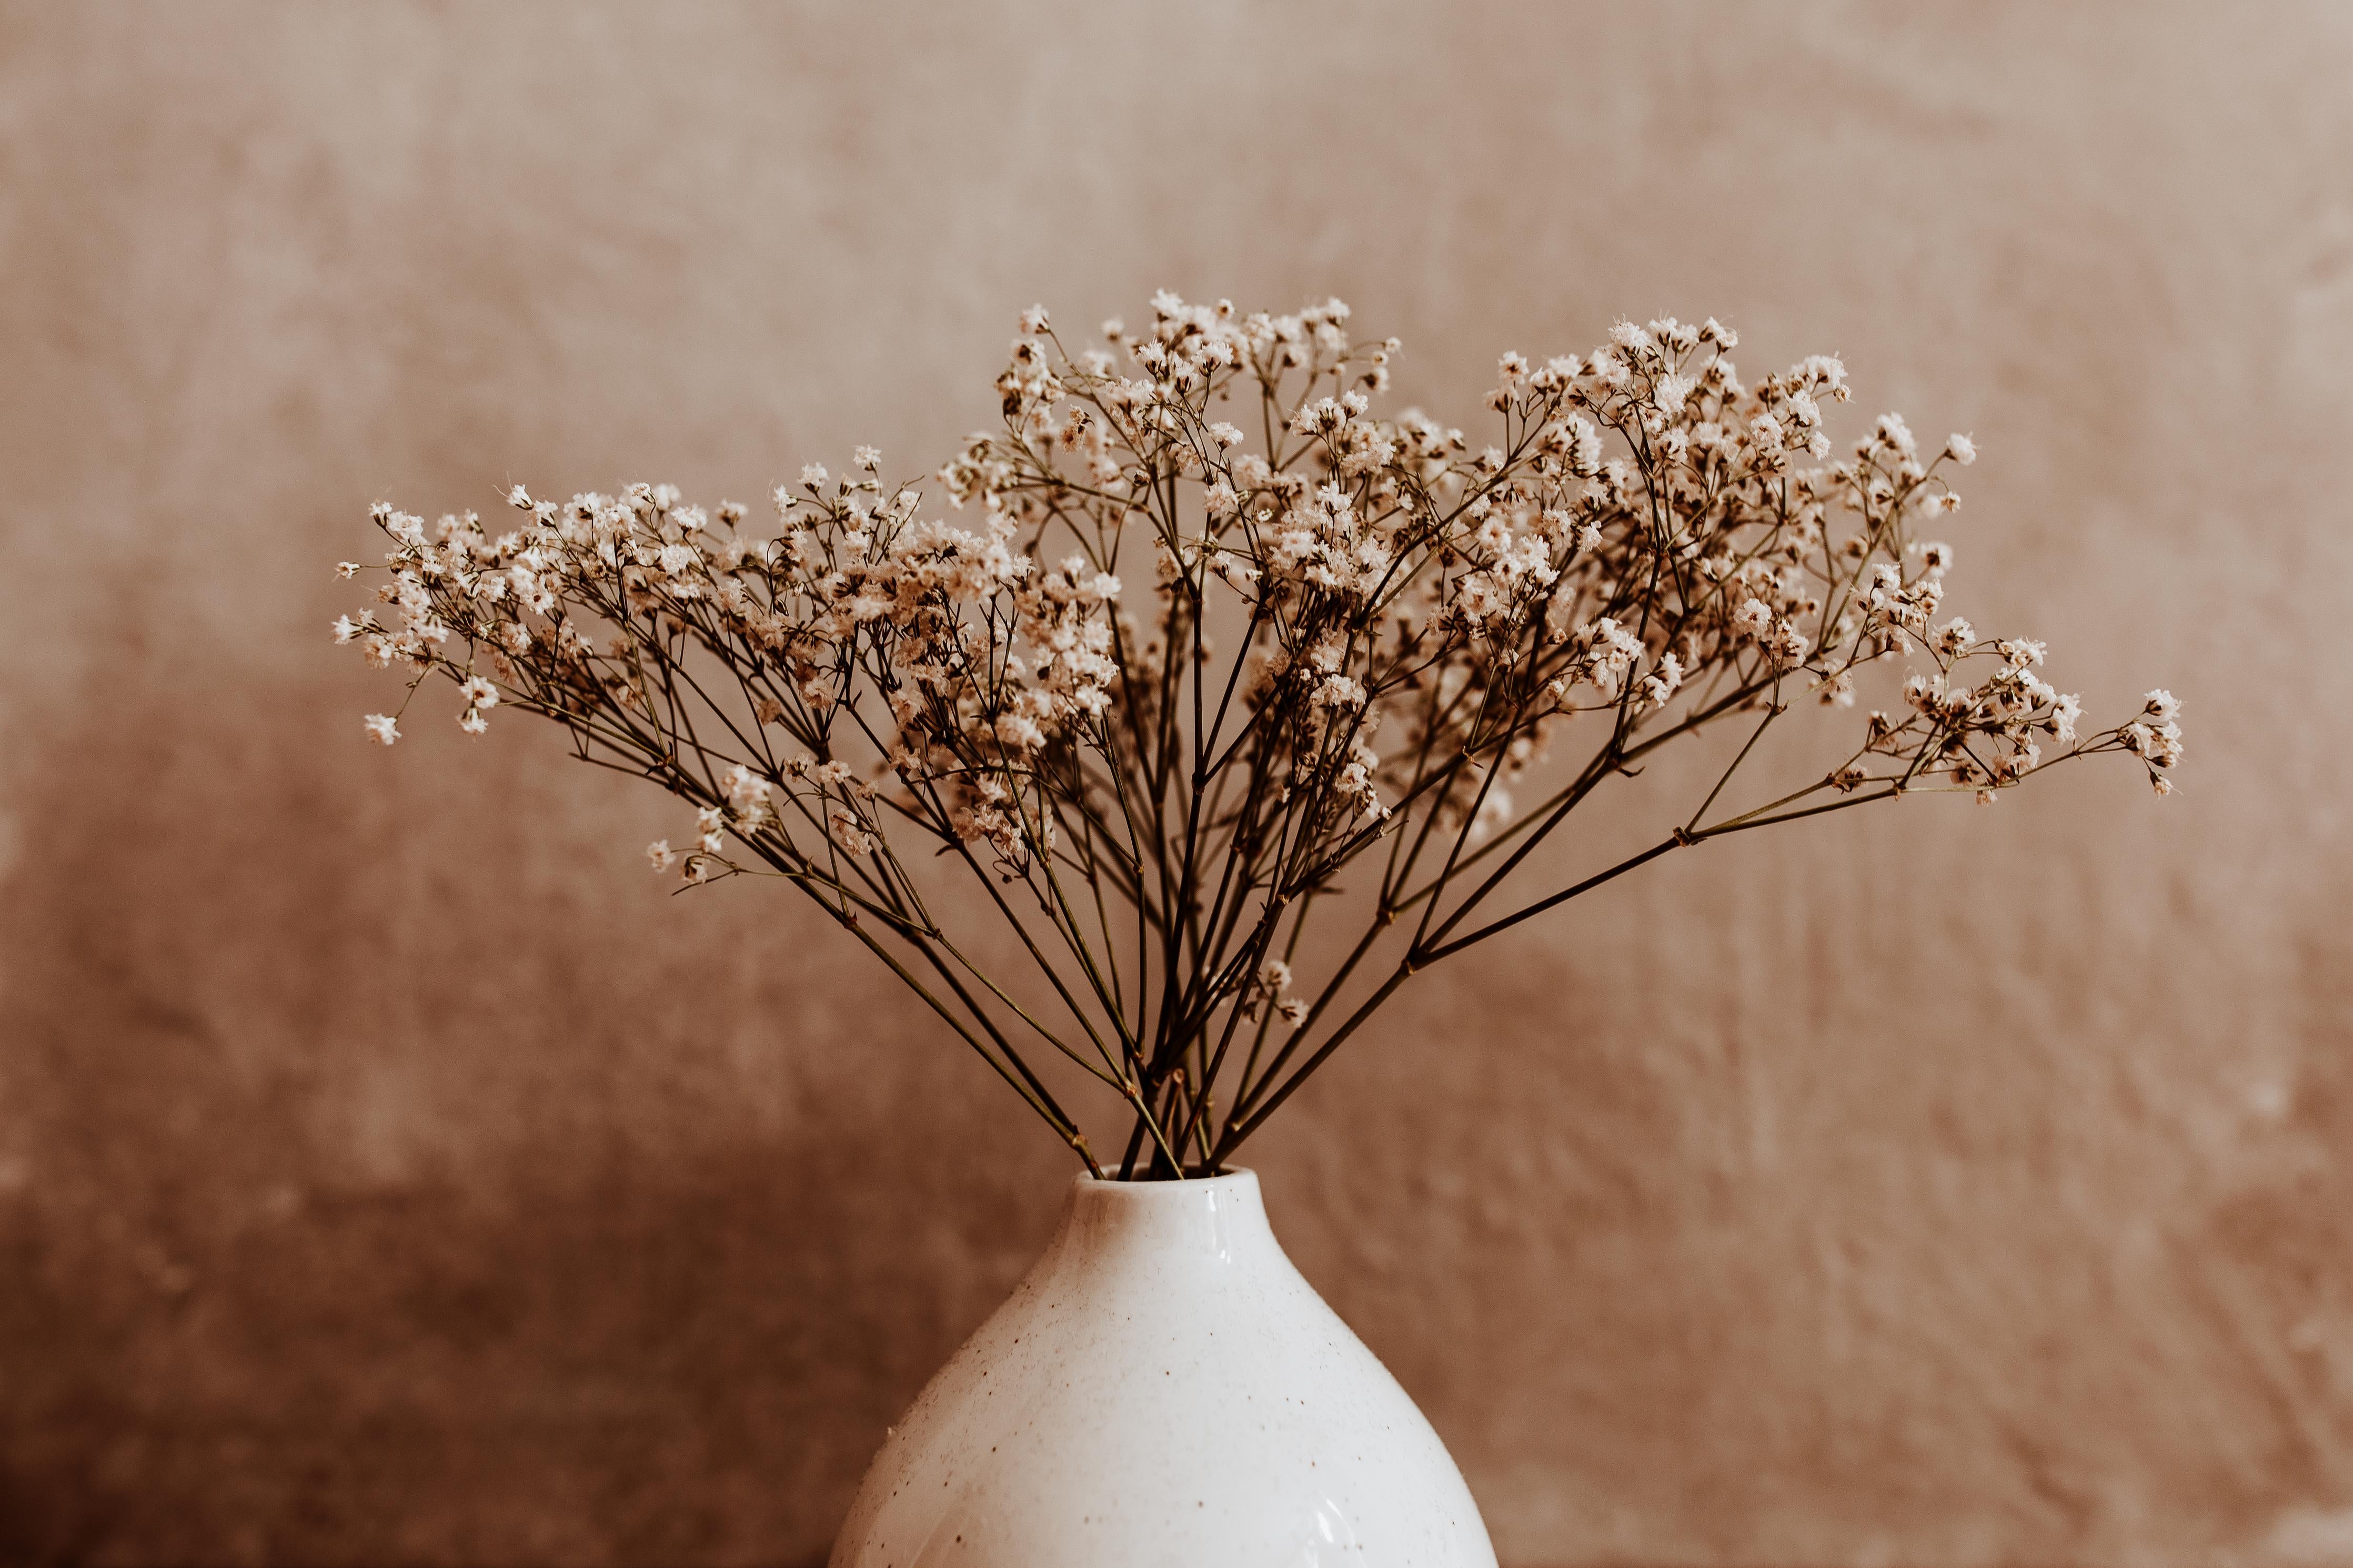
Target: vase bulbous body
{"x":1163,"y":1390}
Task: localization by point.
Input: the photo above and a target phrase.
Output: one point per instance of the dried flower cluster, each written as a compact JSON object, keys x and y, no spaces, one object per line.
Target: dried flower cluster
{"x":1200,"y":630}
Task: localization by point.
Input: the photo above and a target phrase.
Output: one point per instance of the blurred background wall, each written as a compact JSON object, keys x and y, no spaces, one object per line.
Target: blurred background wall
{"x":391,"y":1171}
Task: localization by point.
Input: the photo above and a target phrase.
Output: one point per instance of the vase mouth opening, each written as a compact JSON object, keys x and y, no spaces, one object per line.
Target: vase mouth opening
{"x":1109,"y":1181}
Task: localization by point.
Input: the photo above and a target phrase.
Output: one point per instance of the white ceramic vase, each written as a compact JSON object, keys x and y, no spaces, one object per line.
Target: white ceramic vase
{"x":1163,"y":1390}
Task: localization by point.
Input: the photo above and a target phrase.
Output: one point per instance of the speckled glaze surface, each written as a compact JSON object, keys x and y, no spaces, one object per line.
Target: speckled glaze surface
{"x":1163,"y":1390}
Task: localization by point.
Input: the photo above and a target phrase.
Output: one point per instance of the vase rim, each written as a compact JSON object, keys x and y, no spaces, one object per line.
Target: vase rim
{"x":1231,"y":1174}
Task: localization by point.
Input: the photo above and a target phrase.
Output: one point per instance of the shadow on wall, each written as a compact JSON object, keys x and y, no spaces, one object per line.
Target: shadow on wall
{"x":295,"y":1273}
{"x":629,"y":1361}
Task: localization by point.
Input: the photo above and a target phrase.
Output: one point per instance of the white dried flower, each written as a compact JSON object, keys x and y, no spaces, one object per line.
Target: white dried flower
{"x":847,"y":832}
{"x":1371,"y":635}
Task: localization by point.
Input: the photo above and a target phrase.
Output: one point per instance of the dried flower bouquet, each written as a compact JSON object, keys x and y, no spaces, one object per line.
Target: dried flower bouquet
{"x":1362,"y":643}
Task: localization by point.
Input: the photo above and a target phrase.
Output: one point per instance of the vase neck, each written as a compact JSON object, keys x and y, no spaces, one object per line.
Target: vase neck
{"x":1211,"y":1220}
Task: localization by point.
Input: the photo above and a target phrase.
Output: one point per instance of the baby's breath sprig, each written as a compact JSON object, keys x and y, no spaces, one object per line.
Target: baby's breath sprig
{"x":1362,"y":643}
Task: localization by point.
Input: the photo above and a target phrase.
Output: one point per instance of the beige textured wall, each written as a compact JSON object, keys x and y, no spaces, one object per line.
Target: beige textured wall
{"x":389,"y":1172}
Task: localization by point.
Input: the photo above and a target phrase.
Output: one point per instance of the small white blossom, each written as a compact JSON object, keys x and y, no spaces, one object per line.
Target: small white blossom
{"x":845,"y":830}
